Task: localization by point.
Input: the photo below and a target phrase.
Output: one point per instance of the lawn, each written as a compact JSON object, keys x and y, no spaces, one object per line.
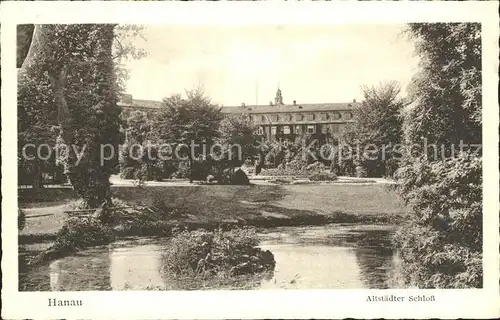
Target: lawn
{"x":233,"y":203}
{"x":44,"y":217}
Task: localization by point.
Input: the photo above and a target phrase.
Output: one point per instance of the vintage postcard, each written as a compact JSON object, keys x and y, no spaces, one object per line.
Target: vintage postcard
{"x":250,"y":160}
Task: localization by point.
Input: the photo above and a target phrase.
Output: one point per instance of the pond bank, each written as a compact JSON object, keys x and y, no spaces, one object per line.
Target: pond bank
{"x":265,"y":220}
{"x":210,"y":207}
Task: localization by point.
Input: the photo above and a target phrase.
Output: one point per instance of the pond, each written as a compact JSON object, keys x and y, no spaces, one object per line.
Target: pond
{"x":337,"y":256}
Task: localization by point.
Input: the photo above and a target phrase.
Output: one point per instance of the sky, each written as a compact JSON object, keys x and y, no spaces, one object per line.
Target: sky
{"x":246,"y":64}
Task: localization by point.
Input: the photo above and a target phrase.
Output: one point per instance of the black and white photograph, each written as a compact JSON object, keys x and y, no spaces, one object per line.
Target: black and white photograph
{"x":139,"y":167}
{"x":251,"y":157}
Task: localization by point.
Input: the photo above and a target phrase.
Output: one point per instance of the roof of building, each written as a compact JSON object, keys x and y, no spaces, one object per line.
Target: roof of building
{"x":291,"y":108}
{"x":139,"y":103}
{"x":152,"y":104}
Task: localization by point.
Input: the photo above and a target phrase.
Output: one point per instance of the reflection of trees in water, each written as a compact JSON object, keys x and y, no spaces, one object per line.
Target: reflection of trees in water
{"x":85,"y":271}
{"x":32,"y":279}
{"x":374,"y":256}
{"x":74,"y":273}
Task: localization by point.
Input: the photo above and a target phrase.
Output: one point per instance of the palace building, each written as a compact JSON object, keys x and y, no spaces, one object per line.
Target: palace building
{"x":277,"y":120}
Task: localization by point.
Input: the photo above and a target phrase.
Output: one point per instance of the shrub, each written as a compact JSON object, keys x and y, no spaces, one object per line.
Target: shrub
{"x":119,"y":202}
{"x":441,"y":242}
{"x":240,"y":178}
{"x":231,"y":253}
{"x":296,"y":168}
{"x":346,"y":167}
{"x":201,"y":170}
{"x":79,"y":233}
{"x":128,"y":173}
{"x":182,"y":170}
{"x":361,"y":172}
{"x":323,"y":176}
{"x":316,"y":167}
{"x":248,"y":168}
{"x":80,"y":204}
{"x":296,"y":165}
{"x":237,"y":177}
{"x":285,"y":172}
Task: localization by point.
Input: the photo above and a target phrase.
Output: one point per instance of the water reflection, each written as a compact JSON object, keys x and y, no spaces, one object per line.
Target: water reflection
{"x":334,"y":257}
{"x":86,"y":271}
{"x":313,"y":267}
{"x":374,"y":256}
{"x":135,"y":267}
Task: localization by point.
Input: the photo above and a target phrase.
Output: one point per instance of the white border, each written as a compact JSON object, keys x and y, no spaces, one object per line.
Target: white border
{"x":251,"y":304}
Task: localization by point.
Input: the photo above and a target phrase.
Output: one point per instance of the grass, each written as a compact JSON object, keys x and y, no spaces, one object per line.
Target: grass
{"x":48,"y":218}
{"x":233,"y":203}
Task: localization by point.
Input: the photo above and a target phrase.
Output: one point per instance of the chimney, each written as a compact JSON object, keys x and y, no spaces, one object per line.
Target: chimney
{"x":353,"y":100}
{"x":243,"y":104}
{"x":126,"y":99}
{"x":294,"y":102}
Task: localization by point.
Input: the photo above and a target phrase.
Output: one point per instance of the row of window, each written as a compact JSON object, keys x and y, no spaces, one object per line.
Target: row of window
{"x":325,"y":128}
{"x":302,"y":117}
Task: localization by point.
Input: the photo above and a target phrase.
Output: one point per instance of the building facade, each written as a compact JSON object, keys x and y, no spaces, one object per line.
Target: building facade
{"x":277,"y":120}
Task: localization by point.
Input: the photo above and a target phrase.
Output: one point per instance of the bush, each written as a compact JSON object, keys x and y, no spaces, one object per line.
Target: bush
{"x":80,"y":204}
{"x":231,"y":253}
{"x":296,"y":168}
{"x":128,"y":173}
{"x":316,"y":167}
{"x":79,"y":233}
{"x":296,"y":165}
{"x":201,"y":170}
{"x":182,"y":170}
{"x":285,"y":172}
{"x":237,"y":177}
{"x":323,"y":176}
{"x":441,"y":241}
{"x":361,"y":172}
{"x":346,"y":167}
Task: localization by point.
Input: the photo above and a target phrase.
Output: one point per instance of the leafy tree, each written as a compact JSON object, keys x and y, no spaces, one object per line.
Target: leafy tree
{"x":446,"y":92}
{"x":140,"y":153}
{"x":77,"y":61}
{"x":238,"y":134}
{"x":69,"y":77}
{"x":441,"y":240}
{"x":37,"y":121}
{"x":189,"y":125}
{"x":138,"y":127}
{"x":377,"y":128}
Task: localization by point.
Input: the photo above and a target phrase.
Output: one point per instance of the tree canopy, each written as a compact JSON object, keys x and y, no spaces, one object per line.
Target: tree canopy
{"x":71,"y":71}
{"x":190,"y":125}
{"x":239,"y":134}
{"x":446,"y":92}
{"x":377,"y":128}
{"x":441,"y":239}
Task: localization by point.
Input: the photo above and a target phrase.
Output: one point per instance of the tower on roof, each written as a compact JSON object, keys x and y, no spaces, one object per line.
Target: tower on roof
{"x":278,"y":100}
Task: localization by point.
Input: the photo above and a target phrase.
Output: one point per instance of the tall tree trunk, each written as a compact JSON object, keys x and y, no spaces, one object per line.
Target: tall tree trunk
{"x":37,"y":183}
{"x":191,"y":169}
{"x":93,"y":186}
{"x":39,"y":51}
